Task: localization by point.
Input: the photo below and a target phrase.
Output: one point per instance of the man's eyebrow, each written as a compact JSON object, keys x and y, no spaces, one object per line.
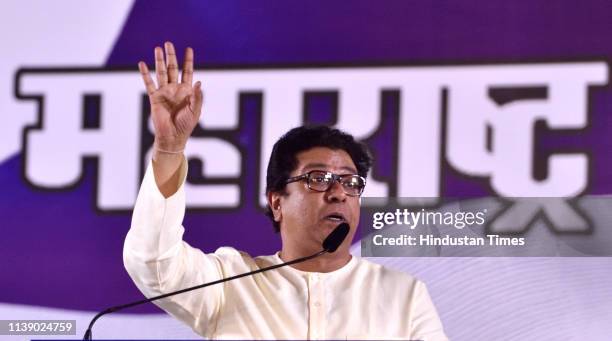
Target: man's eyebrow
{"x":321,"y":166}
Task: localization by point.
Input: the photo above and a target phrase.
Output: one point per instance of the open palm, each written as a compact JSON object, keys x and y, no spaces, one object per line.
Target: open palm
{"x":175,"y":106}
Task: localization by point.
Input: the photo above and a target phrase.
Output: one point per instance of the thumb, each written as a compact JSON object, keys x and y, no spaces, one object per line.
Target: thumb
{"x":197,"y":99}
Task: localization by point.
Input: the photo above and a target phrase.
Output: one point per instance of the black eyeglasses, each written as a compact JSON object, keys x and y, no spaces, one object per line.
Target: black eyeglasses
{"x":321,"y":181}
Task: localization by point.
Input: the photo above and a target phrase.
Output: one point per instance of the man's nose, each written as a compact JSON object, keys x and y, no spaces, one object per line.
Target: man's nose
{"x":335,"y":193}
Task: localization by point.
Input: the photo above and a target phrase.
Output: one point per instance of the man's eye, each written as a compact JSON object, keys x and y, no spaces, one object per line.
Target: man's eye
{"x":318,"y":178}
{"x":351,"y":184}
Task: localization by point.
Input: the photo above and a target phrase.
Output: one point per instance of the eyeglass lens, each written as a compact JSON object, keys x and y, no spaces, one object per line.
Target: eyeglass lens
{"x":322,"y":181}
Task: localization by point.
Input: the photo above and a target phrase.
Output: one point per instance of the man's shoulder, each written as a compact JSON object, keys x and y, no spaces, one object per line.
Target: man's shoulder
{"x":230,"y":252}
{"x":233,"y":260}
{"x":228,"y":256}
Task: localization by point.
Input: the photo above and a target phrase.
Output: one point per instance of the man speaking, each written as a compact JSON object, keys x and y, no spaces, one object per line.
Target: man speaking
{"x":315,"y":177}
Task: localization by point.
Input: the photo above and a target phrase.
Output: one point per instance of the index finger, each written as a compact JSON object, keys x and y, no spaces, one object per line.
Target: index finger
{"x":187,"y":76}
{"x":146,"y":77}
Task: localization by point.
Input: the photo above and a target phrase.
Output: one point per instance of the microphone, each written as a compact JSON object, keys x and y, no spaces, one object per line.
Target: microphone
{"x":336,"y":237}
{"x":330,"y":245}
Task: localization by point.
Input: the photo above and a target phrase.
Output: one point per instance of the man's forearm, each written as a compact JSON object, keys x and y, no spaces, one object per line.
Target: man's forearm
{"x":167,"y":171}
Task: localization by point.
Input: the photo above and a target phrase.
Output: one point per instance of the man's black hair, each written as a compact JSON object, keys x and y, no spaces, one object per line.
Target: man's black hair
{"x":283,"y":159}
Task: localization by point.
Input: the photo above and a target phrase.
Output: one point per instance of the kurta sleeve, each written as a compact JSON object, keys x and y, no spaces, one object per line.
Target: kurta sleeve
{"x":159,"y":261}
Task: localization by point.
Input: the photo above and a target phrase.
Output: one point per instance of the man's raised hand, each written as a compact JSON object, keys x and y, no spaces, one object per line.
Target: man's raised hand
{"x":175,"y":110}
{"x":175,"y":106}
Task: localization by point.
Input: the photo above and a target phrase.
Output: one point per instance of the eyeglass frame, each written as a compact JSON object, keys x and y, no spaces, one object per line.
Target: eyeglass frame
{"x":335,"y":178}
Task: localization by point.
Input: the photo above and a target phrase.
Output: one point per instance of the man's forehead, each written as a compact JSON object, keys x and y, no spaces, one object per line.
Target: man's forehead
{"x":324,"y":166}
{"x":325,"y":158}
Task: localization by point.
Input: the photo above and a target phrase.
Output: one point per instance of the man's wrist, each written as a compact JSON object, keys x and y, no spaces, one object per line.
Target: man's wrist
{"x":172,"y":147}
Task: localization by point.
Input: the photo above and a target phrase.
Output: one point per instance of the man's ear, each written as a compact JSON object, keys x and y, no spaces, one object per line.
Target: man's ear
{"x":274,"y":200}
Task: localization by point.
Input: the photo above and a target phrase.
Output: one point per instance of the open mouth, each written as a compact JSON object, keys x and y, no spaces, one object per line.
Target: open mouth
{"x":335,"y":217}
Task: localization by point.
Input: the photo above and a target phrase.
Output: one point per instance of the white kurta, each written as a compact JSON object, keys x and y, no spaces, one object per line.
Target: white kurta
{"x":360,"y":301}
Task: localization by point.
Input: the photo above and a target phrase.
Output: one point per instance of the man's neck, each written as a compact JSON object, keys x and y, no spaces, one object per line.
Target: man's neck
{"x":325,"y":263}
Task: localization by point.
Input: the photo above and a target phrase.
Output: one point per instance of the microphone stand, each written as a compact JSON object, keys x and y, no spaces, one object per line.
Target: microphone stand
{"x":88,"y":333}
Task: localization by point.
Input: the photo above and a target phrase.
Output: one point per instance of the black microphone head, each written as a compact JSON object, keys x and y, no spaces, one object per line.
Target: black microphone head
{"x":336,"y":237}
